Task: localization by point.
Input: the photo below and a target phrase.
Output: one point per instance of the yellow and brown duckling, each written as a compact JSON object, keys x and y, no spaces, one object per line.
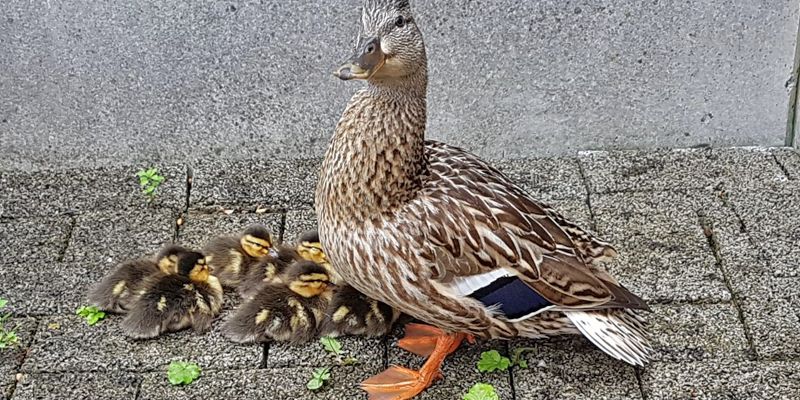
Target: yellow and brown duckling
{"x":268,"y":270}
{"x":309,"y":248}
{"x":287,"y":311}
{"x":192,"y":297}
{"x":119,"y":289}
{"x":231,"y":256}
{"x":352,"y":313}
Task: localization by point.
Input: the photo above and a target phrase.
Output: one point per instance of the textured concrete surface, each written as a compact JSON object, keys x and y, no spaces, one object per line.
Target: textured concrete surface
{"x":664,"y":254}
{"x":101,"y":386}
{"x":201,"y":226}
{"x":254,"y":183}
{"x":75,"y":346}
{"x":96,"y":83}
{"x":707,"y":236}
{"x":46,"y":193}
{"x":721,"y":379}
{"x":572,"y":369}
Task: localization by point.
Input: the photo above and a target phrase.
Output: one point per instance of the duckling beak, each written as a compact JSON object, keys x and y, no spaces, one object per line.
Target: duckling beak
{"x":368,"y":59}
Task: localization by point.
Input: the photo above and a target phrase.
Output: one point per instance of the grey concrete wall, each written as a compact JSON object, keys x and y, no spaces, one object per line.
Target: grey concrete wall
{"x":89,"y":81}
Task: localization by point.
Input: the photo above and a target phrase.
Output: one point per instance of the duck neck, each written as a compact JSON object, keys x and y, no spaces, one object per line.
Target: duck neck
{"x":376,"y":157}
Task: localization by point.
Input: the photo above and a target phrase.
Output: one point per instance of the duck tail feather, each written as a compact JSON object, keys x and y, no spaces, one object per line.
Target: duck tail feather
{"x":619,"y":332}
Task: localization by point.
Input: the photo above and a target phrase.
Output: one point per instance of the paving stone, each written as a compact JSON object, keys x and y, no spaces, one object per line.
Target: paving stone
{"x":772,"y":225}
{"x":459,"y":369}
{"x":11,"y":357}
{"x":77,"y":347}
{"x":571,"y":368}
{"x":270,"y":183}
{"x":369,"y":352}
{"x":274,"y":383}
{"x":48,"y":288}
{"x":746,"y":167}
{"x":102,"y":240}
{"x":722,"y":379}
{"x":33,"y":240}
{"x":691,"y":332}
{"x":790,"y":160}
{"x":617,"y":171}
{"x":50,"y":192}
{"x":89,"y":386}
{"x":546,"y":179}
{"x":773,"y":324}
{"x":664,"y":253}
{"x":200,"y":227}
{"x":298,"y":222}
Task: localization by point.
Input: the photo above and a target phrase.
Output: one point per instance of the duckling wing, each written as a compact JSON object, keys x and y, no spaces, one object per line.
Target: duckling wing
{"x":117,"y":291}
{"x":164,"y":304}
{"x":479,"y":228}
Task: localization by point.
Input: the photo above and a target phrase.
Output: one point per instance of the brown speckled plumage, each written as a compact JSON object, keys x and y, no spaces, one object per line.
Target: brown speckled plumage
{"x":402,"y":219}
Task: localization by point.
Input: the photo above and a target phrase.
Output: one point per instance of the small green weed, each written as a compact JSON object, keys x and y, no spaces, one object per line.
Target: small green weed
{"x":481,"y":391}
{"x":318,"y":378}
{"x":332,"y":345}
{"x":8,"y":338}
{"x":149,"y":180}
{"x":91,"y":314}
{"x":492,"y":361}
{"x":182,"y":373}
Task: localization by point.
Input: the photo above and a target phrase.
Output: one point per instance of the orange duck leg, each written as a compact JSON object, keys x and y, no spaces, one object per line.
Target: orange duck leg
{"x":398,"y":383}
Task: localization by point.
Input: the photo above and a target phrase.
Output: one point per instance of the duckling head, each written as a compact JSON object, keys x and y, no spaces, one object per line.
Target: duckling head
{"x":256,"y":241}
{"x":389,"y":46}
{"x":308,"y":279}
{"x":167,"y":258}
{"x":310,"y":248}
{"x":193,"y":265}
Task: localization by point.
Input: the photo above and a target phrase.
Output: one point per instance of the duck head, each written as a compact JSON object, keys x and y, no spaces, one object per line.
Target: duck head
{"x":389,"y":45}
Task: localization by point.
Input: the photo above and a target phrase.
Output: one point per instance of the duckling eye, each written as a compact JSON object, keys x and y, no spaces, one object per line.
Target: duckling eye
{"x":400,"y":22}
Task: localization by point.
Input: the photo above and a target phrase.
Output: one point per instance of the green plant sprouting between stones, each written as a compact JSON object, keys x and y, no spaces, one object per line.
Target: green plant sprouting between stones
{"x":8,"y":337}
{"x":481,"y":391}
{"x":91,"y":314}
{"x":182,"y":372}
{"x":318,"y":378}
{"x":150,"y":180}
{"x":492,"y":361}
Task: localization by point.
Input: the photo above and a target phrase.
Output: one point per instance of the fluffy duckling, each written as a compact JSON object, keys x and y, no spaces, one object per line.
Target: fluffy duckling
{"x":284,"y":311}
{"x":119,"y":289}
{"x":309,"y":248}
{"x":268,"y":270}
{"x":171,"y":302}
{"x":230,"y":257}
{"x":353,"y":313}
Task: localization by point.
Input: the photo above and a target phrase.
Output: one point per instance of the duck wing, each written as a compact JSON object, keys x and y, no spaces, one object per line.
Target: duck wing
{"x":480,"y":228}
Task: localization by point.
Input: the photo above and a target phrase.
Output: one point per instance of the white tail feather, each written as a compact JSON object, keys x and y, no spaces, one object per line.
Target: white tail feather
{"x":618,"y":332}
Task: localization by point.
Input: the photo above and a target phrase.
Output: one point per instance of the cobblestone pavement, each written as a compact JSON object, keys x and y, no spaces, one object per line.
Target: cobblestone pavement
{"x":709,"y":237}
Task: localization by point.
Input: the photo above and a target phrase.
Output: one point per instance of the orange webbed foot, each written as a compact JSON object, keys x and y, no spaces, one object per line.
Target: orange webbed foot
{"x":398,"y":383}
{"x":420,"y":339}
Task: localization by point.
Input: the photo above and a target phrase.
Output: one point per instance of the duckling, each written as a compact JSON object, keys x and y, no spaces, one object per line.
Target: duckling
{"x":309,"y":248}
{"x":269,"y":269}
{"x":119,"y":289}
{"x":285,"y":312}
{"x":231,"y":256}
{"x":352,"y":313}
{"x":171,"y":302}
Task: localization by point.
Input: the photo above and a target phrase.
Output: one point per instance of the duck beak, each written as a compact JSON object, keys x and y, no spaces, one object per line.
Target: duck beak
{"x":368,"y":59}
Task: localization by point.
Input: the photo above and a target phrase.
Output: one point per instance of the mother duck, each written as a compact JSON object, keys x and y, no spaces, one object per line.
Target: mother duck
{"x":441,"y":235}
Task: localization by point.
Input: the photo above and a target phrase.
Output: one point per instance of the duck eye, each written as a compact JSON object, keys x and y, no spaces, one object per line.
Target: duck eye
{"x":400,"y":22}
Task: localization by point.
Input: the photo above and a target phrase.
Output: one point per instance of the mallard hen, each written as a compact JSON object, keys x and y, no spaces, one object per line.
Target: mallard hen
{"x":439,"y":234}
